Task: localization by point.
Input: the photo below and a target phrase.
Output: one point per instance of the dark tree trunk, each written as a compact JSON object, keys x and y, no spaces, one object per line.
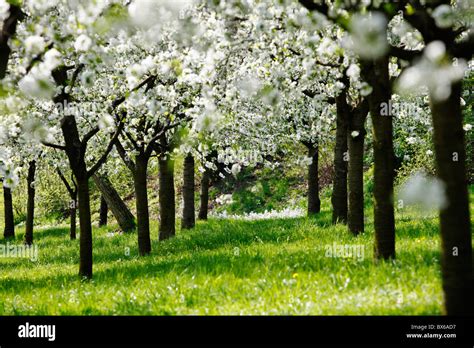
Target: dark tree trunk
{"x":30,"y":209}
{"x":167,"y":199}
{"x":72,"y":190}
{"x":189,"y":219}
{"x":141,"y":195}
{"x":74,"y":152}
{"x":355,"y":216}
{"x":85,"y":266}
{"x":376,"y":74}
{"x":314,"y":202}
{"x":455,"y":225}
{"x":204,"y":204}
{"x":8,"y":30}
{"x":119,"y":209}
{"x":339,"y":191}
{"x":104,"y":209}
{"x":72,"y":215}
{"x":9,"y":231}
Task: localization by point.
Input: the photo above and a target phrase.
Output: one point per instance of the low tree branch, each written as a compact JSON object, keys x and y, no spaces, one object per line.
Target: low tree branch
{"x":107,"y":151}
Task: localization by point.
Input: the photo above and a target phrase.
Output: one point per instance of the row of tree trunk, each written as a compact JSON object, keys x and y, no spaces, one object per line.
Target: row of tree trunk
{"x":348,"y":188}
{"x":110,"y":199}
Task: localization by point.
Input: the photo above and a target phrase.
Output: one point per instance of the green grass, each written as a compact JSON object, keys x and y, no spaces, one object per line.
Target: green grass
{"x":2,"y":215}
{"x":230,"y":267}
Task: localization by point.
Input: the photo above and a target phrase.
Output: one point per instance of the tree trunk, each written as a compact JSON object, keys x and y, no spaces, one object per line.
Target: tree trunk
{"x":167,"y":199}
{"x":141,"y":195}
{"x":339,"y":191}
{"x":9,"y":231}
{"x":8,"y":30}
{"x":104,"y":209}
{"x":78,"y":166}
{"x":314,"y":202}
{"x":85,"y":266}
{"x":189,"y":219}
{"x":455,"y":225}
{"x":204,"y":204}
{"x":376,"y":74}
{"x":355,"y":216}
{"x":30,"y":209}
{"x":119,"y":209}
{"x":72,"y":215}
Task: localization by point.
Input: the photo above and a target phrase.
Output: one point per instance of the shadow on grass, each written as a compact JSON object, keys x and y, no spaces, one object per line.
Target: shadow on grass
{"x":209,"y":250}
{"x":224,"y":262}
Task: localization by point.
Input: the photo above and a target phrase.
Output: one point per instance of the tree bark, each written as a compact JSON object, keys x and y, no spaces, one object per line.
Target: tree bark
{"x":104,"y":209}
{"x":75,"y":154}
{"x":376,"y":74}
{"x":339,"y":191}
{"x":72,"y":190}
{"x":75,"y":150}
{"x":9,"y":231}
{"x":141,"y":195}
{"x":355,"y":216}
{"x":455,"y":225}
{"x":85,"y":266}
{"x":119,"y":209}
{"x":30,"y":209}
{"x":8,"y":30}
{"x":72,"y":215}
{"x":204,"y":204}
{"x":167,"y":199}
{"x":189,"y":219}
{"x":314,"y":202}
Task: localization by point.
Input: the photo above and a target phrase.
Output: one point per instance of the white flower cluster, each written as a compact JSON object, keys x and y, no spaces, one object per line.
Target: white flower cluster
{"x":368,"y":36}
{"x":4,"y":9}
{"x":433,"y":72}
{"x":424,"y":192}
{"x":38,"y":82}
{"x":224,"y":199}
{"x":287,"y":213}
{"x":8,"y":170}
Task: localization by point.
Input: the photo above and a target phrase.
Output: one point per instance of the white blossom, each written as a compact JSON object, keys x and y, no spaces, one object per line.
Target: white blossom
{"x":236,"y":168}
{"x":37,"y":84}
{"x":287,"y":213}
{"x":353,"y":72}
{"x":52,"y":59}
{"x":425,"y":192}
{"x":83,"y":43}
{"x":368,"y":35}
{"x":35,"y":45}
{"x":443,"y":16}
{"x":106,"y":122}
{"x":433,"y":72}
{"x":4,"y":10}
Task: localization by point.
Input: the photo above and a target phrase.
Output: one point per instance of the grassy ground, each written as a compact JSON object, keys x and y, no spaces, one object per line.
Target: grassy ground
{"x":230,"y":267}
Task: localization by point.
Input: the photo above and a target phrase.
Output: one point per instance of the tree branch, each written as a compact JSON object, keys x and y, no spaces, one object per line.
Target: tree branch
{"x":464,"y":49}
{"x":404,"y":54}
{"x":107,"y":151}
{"x":313,"y":6}
{"x":125,"y":158}
{"x":65,"y":182}
{"x":7,"y":31}
{"x":88,"y":137}
{"x":54,"y":146}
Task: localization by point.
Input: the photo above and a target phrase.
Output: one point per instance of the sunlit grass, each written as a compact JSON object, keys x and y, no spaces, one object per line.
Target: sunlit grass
{"x":230,"y":267}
